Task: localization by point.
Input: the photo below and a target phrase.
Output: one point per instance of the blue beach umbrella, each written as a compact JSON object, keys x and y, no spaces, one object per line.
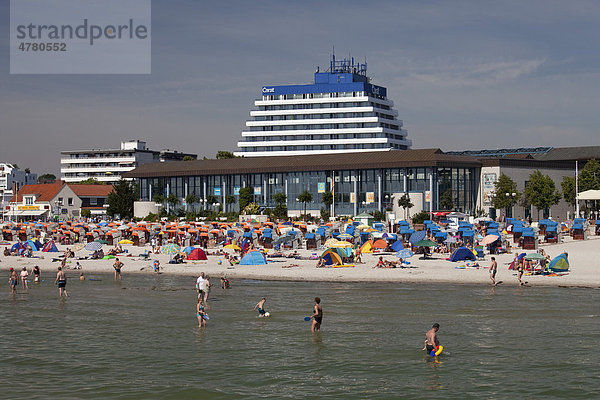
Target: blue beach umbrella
{"x":406,"y":253}
{"x":417,"y":236}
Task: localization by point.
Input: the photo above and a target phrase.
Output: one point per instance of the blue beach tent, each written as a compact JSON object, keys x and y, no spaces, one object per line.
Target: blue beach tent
{"x":254,"y":257}
{"x":397,"y":246}
{"x":33,"y":245}
{"x":461,"y":254}
{"x":559,"y":263}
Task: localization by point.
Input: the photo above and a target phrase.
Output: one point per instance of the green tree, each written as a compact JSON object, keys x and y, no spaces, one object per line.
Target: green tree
{"x":305,"y":197}
{"x":85,"y":213}
{"x":120,"y":200}
{"x":222,"y":154}
{"x":280,"y":211}
{"x":541,"y":191}
{"x":251,"y":209}
{"x":506,"y":195}
{"x":405,"y":203}
{"x":188,"y":158}
{"x":27,"y":171}
{"x":211,"y":200}
{"x":158,"y":198}
{"x":46,"y":178}
{"x":568,"y":189}
{"x":89,"y":181}
{"x":173,"y":201}
{"x":245,"y":197}
{"x":379,"y":215}
{"x":446,"y":202}
{"x":419,"y":218}
{"x":327,"y":199}
{"x":325,"y":214}
{"x":192,"y":199}
{"x":589,"y":176}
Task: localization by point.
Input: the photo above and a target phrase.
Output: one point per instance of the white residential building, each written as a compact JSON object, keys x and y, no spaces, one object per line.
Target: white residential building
{"x":11,"y":180}
{"x":342,"y":112}
{"x":107,"y":165}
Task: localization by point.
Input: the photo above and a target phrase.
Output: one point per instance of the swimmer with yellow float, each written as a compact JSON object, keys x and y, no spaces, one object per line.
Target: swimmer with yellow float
{"x":432,"y":344}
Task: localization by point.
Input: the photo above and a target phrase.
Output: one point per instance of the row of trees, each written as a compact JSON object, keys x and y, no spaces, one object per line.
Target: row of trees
{"x":541,"y":192}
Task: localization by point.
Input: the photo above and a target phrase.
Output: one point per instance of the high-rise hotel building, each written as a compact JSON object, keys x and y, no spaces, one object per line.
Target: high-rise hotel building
{"x":341,"y":112}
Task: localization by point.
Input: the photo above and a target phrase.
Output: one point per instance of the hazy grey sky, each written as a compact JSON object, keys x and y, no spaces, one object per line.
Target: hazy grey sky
{"x":462,"y":74}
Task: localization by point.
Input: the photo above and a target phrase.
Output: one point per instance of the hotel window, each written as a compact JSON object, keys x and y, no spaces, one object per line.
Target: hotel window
{"x":29,"y":200}
{"x":60,"y":201}
{"x":70,"y":201}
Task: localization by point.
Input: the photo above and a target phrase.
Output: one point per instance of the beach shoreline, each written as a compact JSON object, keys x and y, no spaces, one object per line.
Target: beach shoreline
{"x":583,"y":256}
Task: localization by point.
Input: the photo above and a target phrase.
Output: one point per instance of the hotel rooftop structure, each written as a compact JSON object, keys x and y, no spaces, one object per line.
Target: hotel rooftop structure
{"x":341,"y":112}
{"x":108,"y":165}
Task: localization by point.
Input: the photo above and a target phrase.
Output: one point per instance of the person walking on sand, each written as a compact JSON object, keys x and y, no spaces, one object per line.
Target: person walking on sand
{"x":201,"y":313}
{"x":317,"y":316}
{"x":117,"y":266}
{"x":431,"y":339}
{"x":13,"y":280}
{"x":261,"y":307}
{"x":61,"y":281}
{"x":493,"y":270}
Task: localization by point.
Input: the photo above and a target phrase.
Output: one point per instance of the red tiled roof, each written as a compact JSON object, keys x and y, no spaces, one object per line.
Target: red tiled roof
{"x":91,"y":190}
{"x":42,"y":191}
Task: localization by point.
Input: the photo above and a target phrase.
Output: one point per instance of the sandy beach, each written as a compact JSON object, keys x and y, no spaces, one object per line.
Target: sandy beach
{"x":583,"y":256}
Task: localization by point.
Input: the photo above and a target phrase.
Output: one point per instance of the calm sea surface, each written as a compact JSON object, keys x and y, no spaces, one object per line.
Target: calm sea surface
{"x":138,"y":339}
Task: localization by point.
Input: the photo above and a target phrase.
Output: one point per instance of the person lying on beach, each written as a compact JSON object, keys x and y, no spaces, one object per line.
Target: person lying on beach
{"x":261,"y":307}
{"x":290,"y":266}
{"x":380,"y":263}
{"x":6,"y":252}
{"x":320,"y":263}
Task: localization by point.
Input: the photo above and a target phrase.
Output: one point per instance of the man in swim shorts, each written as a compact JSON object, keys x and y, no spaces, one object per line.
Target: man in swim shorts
{"x":117,"y":266}
{"x":61,"y":281}
{"x":261,"y":307}
{"x":431,"y":340}
{"x":200,"y":286}
{"x":13,"y":280}
{"x":317,"y":317}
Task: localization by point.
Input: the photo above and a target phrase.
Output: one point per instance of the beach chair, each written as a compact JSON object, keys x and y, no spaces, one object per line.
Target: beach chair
{"x":480,"y":255}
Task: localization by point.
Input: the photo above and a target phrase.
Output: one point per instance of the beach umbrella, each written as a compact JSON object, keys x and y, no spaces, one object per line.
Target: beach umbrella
{"x":450,"y":239}
{"x":344,"y":236}
{"x":125,"y":241}
{"x":489,"y":239}
{"x":330,"y":242}
{"x":534,"y":256}
{"x":425,"y":243}
{"x":101,"y":241}
{"x":417,"y":236}
{"x":232,"y":246}
{"x":123,"y":228}
{"x":170,"y":249}
{"x":405,"y":253}
{"x":93,"y":246}
{"x":341,"y":244}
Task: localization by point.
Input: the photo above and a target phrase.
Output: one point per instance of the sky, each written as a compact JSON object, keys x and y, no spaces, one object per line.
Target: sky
{"x":462,"y":75}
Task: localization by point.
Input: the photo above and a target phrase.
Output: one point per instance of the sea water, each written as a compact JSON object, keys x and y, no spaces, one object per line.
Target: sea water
{"x":139,"y":339}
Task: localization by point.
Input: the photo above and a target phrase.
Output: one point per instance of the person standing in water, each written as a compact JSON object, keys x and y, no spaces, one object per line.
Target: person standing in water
{"x":431,"y":340}
{"x":493,"y":270}
{"x":201,"y":313}
{"x":25,"y":278}
{"x":13,"y":280}
{"x":317,"y":316}
{"x":261,"y":307}
{"x":36,"y":274}
{"x":61,"y":281}
{"x":117,"y":266}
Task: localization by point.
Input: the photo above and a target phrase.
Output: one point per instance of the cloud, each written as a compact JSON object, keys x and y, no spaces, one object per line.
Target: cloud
{"x":475,"y":74}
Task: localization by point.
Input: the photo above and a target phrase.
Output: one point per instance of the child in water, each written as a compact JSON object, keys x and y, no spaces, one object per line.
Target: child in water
{"x":201,"y":314}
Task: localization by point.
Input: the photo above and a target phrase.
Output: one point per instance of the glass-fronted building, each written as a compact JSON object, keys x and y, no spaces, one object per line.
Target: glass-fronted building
{"x":363,"y":182}
{"x":341,"y":112}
